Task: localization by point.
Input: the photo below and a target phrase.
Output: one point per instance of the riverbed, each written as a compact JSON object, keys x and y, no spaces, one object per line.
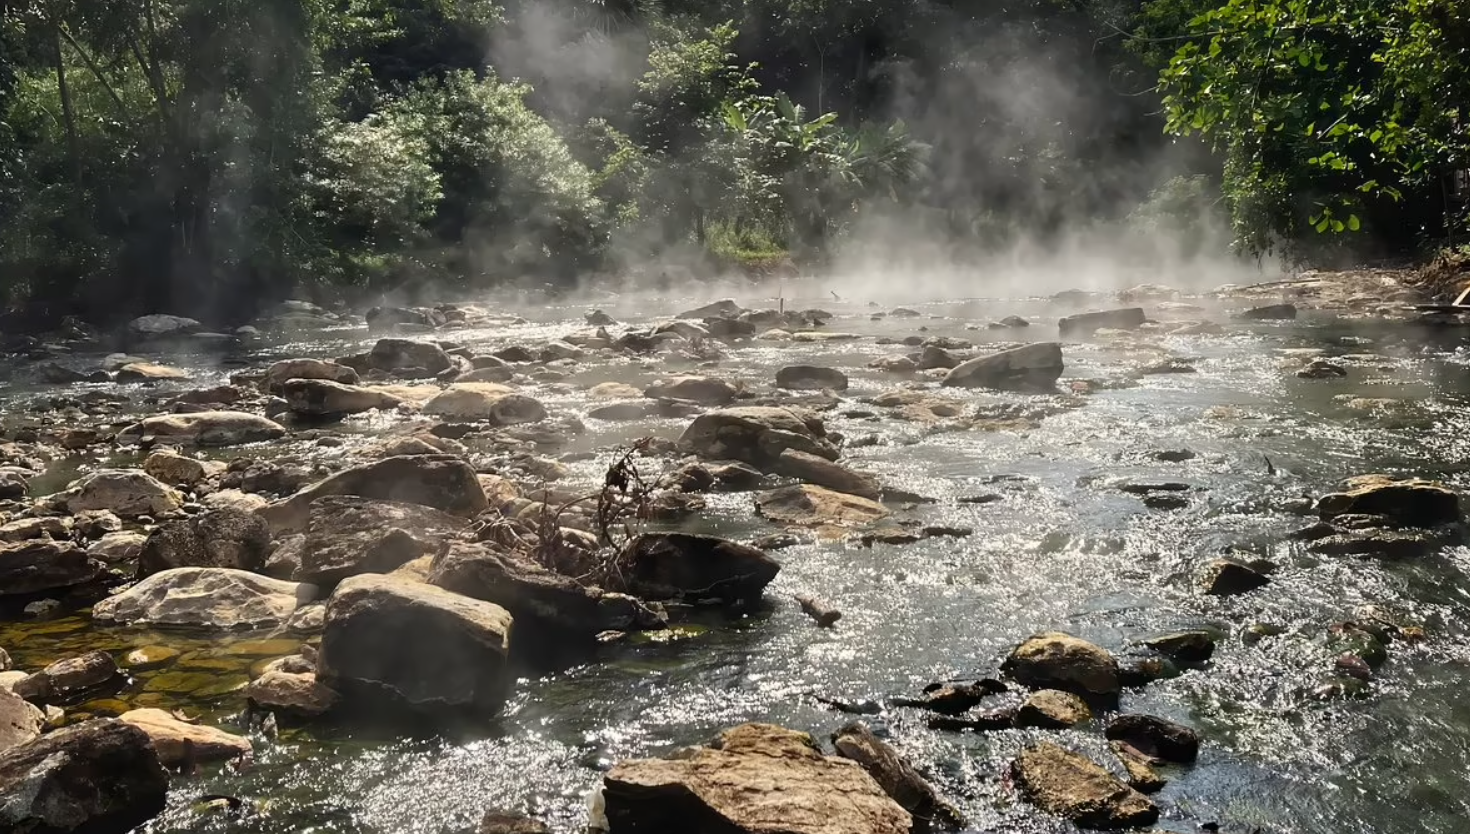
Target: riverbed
{"x":1055,"y":545}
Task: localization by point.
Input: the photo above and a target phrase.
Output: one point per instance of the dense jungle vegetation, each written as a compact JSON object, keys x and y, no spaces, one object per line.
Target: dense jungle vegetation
{"x":210,"y":156}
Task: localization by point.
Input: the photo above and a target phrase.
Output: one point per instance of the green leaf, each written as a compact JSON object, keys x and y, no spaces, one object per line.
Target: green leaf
{"x":1338,"y":226}
{"x":1323,"y":224}
{"x":1304,"y":58}
{"x":1353,"y":222}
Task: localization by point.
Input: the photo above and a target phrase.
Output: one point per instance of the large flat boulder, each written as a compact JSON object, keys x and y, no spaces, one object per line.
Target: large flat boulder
{"x":39,"y":565}
{"x":805,"y":505}
{"x":805,"y":466}
{"x":348,"y":535}
{"x":212,"y":599}
{"x":694,"y":567}
{"x":1029,"y":367}
{"x":94,"y":777}
{"x":204,"y":428}
{"x":758,"y":779}
{"x":326,"y":398}
{"x":1085,"y":324}
{"x":1076,"y":788}
{"x":756,"y":435}
{"x":395,"y":644}
{"x":1412,"y":503}
{"x":486,"y":401}
{"x":221,"y":538}
{"x":178,"y":741}
{"x":126,"y":492}
{"x":444,"y":482}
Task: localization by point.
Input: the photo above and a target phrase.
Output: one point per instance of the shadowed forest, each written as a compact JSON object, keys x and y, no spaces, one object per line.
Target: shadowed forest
{"x":210,"y":157}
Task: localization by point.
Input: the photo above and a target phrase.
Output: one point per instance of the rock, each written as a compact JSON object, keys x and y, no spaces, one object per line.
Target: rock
{"x":405,"y":645}
{"x":1322,"y":369}
{"x":215,"y":539}
{"x":485,"y":401}
{"x":507,"y":822}
{"x":1411,"y":503}
{"x":1141,"y":775}
{"x":1085,"y":324}
{"x":387,"y":318}
{"x":1053,"y":660}
{"x":216,"y":599}
{"x":1271,"y":312}
{"x":95,"y":777}
{"x":1184,"y":646}
{"x":25,"y":529}
{"x":813,"y":506}
{"x":149,"y":372}
{"x":293,"y":693}
{"x":20,"y":721}
{"x":623,"y":411}
{"x":1226,"y":577}
{"x":757,"y":779}
{"x":725,"y":308}
{"x":756,"y":435}
{"x":204,"y":428}
{"x":694,"y":567}
{"x":936,"y":357}
{"x":159,"y":326}
{"x":175,"y":469}
{"x":278,"y":374}
{"x":177,"y":742}
{"x":324,"y":398}
{"x":1052,"y":709}
{"x":421,"y":358}
{"x":953,"y":697}
{"x":501,"y":372}
{"x":1009,"y":323}
{"x":126,"y":492}
{"x":549,"y":607}
{"x":117,"y":548}
{"x":705,"y":390}
{"x":444,"y":482}
{"x":825,"y":473}
{"x":1027,"y":367}
{"x":234,"y":499}
{"x":38,"y":565}
{"x":810,"y":378}
{"x":67,"y":679}
{"x":1156,"y":737}
{"x":347,"y":535}
{"x":895,"y":775}
{"x":1072,"y":786}
{"x":614,"y":391}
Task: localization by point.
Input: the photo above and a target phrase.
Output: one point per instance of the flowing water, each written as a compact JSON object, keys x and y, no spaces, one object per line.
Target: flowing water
{"x":1061,"y":549}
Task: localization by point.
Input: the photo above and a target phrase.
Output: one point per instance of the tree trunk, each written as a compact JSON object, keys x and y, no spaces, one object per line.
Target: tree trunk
{"x":68,"y":113}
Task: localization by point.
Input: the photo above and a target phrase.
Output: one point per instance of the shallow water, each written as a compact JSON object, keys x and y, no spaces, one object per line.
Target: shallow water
{"x":1061,"y":550}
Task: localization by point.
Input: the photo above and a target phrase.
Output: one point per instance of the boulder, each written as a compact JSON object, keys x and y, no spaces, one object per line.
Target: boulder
{"x":825,"y":473}
{"x":1155,"y":737}
{"x":444,"y":482}
{"x":548,"y":607}
{"x":423,"y":358}
{"x":325,"y":398}
{"x":896,"y":776}
{"x":204,"y":428}
{"x":226,"y":538}
{"x":1226,"y":577}
{"x":485,"y":401}
{"x":1411,"y":503}
{"x":39,"y":565}
{"x":46,"y":527}
{"x":1074,"y":787}
{"x":397,"y":644}
{"x":149,"y":372}
{"x":347,"y":535}
{"x":509,"y":822}
{"x":1052,"y":709}
{"x":694,"y":567}
{"x":20,"y":721}
{"x":160,"y":326}
{"x":293,"y":693}
{"x":633,"y":410}
{"x":67,"y":680}
{"x":806,"y":505}
{"x":90,"y":778}
{"x":810,"y":378}
{"x":705,"y":390}
{"x":1029,"y":367}
{"x":486,"y":372}
{"x":757,"y":779}
{"x":756,"y":435}
{"x":1195,"y":646}
{"x":1270,"y":312}
{"x":725,"y":308}
{"x":176,"y":470}
{"x":178,"y":742}
{"x":387,"y":318}
{"x":215,"y":599}
{"x":117,"y":548}
{"x":1085,"y":324}
{"x":1053,"y":660}
{"x":278,"y":374}
{"x":126,"y":492}
{"x":935,"y":357}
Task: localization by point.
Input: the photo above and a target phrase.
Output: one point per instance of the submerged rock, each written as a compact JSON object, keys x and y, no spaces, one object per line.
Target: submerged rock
{"x":756,"y":435}
{"x":757,"y":779}
{"x":38,"y":565}
{"x":1053,"y":660}
{"x":693,"y":567}
{"x":444,"y":482}
{"x":1085,"y":324}
{"x":125,"y":492}
{"x":325,"y":398}
{"x":813,"y":506}
{"x":1074,"y":787}
{"x":216,"y":599}
{"x":1029,"y":367}
{"x":1270,"y":312}
{"x":178,"y":742}
{"x":1226,"y":577}
{"x":1412,"y":503}
{"x":810,"y":378}
{"x":94,"y":777}
{"x":485,"y":401}
{"x":401,"y":645}
{"x":204,"y":428}
{"x":225,"y":538}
